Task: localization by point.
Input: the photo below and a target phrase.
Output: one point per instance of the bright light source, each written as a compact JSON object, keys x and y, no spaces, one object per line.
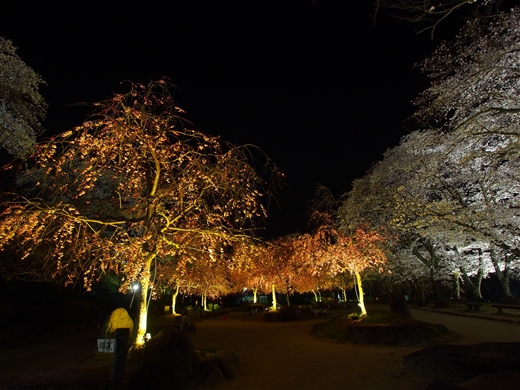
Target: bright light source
{"x":135,"y":286}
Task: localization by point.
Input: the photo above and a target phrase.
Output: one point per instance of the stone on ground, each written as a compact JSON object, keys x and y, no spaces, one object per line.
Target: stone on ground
{"x":119,"y":318}
{"x":230,"y":363}
{"x":290,"y":313}
{"x":167,"y":361}
{"x":503,"y":380}
{"x":460,"y":363}
{"x":214,"y":377}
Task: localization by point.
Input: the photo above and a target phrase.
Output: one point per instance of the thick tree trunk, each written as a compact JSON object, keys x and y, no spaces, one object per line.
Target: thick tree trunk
{"x":503,"y":276}
{"x":456,"y":285}
{"x":315,"y":296}
{"x":433,"y":263}
{"x":344,"y":291}
{"x":361,"y":298}
{"x":421,"y":290}
{"x":274,"y":297}
{"x":204,"y":301}
{"x":474,"y":284}
{"x":442,"y":299}
{"x":174,"y":299}
{"x":143,"y":304}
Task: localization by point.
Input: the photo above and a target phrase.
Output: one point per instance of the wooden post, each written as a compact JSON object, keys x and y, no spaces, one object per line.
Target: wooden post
{"x":117,"y":373}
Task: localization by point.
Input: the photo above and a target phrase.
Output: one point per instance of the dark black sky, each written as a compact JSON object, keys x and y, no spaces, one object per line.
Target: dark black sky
{"x":315,"y":85}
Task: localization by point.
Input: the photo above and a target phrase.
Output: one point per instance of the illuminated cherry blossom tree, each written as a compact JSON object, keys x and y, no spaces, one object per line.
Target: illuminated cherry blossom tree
{"x":245,"y":270}
{"x":131,"y":186}
{"x":208,"y":273}
{"x":21,"y":106}
{"x":430,"y":13}
{"x":357,"y":252}
{"x":338,"y":247}
{"x":455,"y":183}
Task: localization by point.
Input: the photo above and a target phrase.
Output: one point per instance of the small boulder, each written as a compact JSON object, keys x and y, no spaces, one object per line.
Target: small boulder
{"x":290,"y":313}
{"x":169,"y":359}
{"x":207,"y":363}
{"x":503,"y":380}
{"x":214,"y":377}
{"x":459,"y":363}
{"x":119,"y":318}
{"x":230,"y":363}
{"x":270,"y":316}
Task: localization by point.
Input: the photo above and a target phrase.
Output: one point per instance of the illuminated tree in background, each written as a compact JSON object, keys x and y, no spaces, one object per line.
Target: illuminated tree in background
{"x":246,"y":266}
{"x":172,"y":277}
{"x":432,"y":12}
{"x":132,"y":186}
{"x":269,"y":265}
{"x":208,"y":274}
{"x":336,"y":247}
{"x":357,"y":252}
{"x":454,"y":185}
{"x":21,"y":105}
{"x":290,"y":263}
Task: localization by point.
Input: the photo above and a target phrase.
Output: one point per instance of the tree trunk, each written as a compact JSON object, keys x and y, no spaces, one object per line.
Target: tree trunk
{"x":174,"y":299}
{"x":315,"y":296}
{"x":274,"y":297}
{"x":255,"y":295}
{"x":442,"y":299}
{"x":143,"y":304}
{"x":433,"y":264}
{"x":503,"y":276}
{"x":344,"y":294}
{"x":204,"y":301}
{"x":456,"y":284}
{"x":361,"y":303}
{"x":474,"y":284}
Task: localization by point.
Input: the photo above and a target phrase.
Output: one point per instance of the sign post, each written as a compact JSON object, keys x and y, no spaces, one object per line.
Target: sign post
{"x":117,"y":373}
{"x":106,"y":345}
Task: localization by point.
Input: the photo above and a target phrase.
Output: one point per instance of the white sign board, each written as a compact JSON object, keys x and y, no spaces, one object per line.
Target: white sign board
{"x":106,"y":345}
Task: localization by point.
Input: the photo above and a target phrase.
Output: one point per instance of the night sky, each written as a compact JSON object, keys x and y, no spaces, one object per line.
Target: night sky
{"x":320,"y":89}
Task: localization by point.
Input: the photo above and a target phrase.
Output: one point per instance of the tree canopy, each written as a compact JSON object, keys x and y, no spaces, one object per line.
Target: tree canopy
{"x":131,"y":185}
{"x":21,"y":106}
{"x":450,"y":189}
{"x":430,"y":13}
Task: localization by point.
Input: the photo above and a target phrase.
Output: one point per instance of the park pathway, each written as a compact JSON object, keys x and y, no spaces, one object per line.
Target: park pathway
{"x":286,"y":356}
{"x":275,"y":355}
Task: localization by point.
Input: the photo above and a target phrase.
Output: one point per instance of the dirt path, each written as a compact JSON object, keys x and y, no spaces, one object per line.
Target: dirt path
{"x":47,"y":354}
{"x":286,"y":356}
{"x":275,"y":355}
{"x":473,"y":330}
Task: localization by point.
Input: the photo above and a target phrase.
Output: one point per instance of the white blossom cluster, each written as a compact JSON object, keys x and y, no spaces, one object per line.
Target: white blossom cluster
{"x":455,"y":184}
{"x":21,"y":105}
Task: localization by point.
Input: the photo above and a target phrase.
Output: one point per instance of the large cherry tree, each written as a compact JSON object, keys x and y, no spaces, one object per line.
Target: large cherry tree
{"x":22,"y":108}
{"x":455,"y":184}
{"x":129,"y":187}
